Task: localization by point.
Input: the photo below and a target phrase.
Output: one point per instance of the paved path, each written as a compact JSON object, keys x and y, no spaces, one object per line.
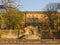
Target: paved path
{"x":29,"y":44}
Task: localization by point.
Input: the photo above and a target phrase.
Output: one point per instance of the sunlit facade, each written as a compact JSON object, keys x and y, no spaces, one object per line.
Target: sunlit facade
{"x":37,"y":17}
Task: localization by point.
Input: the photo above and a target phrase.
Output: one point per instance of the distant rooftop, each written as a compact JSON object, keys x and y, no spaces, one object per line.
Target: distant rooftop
{"x":2,"y":6}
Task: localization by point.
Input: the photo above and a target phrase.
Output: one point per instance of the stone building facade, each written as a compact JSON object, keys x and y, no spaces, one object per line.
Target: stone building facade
{"x":35,"y":18}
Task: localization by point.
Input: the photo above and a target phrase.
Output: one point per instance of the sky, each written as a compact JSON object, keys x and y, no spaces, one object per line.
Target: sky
{"x":35,"y":5}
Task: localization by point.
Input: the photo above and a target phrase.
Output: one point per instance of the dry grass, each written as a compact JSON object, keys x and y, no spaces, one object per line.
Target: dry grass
{"x":9,"y":33}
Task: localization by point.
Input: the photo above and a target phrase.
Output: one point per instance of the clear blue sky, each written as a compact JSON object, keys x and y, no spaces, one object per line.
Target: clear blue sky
{"x":35,"y":5}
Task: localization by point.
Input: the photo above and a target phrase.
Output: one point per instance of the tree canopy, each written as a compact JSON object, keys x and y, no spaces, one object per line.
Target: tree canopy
{"x":13,"y":18}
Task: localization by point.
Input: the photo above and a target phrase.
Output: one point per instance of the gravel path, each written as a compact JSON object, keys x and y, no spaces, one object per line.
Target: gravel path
{"x":30,"y":44}
{"x":17,"y":41}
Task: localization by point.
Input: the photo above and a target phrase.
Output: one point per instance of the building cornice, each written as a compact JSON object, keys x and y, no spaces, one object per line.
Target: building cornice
{"x":36,"y":12}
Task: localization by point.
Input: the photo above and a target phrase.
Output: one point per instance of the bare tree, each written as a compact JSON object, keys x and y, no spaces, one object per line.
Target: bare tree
{"x":51,"y":12}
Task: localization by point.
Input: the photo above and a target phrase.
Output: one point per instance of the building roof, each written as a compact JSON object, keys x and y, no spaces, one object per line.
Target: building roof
{"x":2,"y":6}
{"x":36,"y":12}
{"x":33,"y":11}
